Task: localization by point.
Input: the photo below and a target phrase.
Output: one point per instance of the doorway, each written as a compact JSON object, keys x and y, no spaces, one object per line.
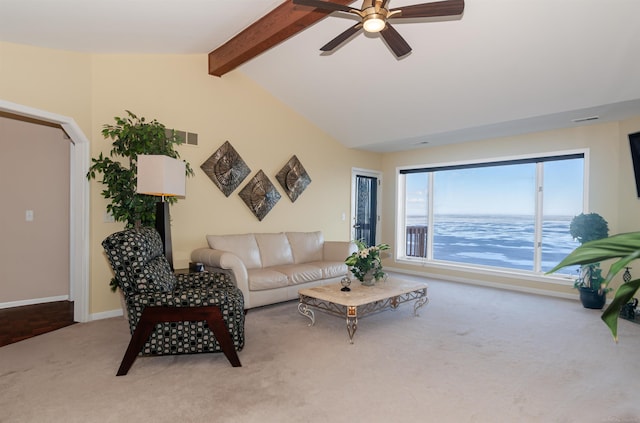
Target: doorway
{"x":79,"y":203}
{"x":366,"y":186}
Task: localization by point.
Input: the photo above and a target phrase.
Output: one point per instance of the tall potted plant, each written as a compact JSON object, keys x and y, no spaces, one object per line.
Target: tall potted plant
{"x":623,"y":247}
{"x":585,"y":228}
{"x":131,"y":136}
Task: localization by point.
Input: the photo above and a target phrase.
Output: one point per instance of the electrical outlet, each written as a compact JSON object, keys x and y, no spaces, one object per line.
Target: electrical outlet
{"x":28,"y":216}
{"x":108,"y":217}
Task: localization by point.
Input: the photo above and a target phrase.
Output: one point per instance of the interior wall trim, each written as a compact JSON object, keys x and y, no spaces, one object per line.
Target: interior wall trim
{"x":79,"y":203}
{"x":32,"y":301}
{"x":107,"y":314}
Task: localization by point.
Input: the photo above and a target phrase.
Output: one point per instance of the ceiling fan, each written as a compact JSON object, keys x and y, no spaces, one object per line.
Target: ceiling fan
{"x":374,"y":15}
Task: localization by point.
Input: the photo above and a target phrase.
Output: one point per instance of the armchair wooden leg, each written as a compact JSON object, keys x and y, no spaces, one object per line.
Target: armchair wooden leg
{"x":139,"y":337}
{"x":154,"y":315}
{"x":219,"y":329}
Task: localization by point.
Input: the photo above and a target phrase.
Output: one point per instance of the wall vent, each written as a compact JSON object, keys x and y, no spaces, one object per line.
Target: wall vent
{"x":186,"y":137}
{"x":192,"y":138}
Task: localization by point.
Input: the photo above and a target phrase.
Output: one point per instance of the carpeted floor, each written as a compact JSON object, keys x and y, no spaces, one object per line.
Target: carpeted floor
{"x":474,"y":355}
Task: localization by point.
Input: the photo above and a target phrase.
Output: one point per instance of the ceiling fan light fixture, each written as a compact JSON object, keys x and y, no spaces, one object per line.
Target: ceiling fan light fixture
{"x":374,"y":15}
{"x":373,"y":23}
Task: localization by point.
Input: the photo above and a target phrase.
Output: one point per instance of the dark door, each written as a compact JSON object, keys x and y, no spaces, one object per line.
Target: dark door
{"x":366,"y":205}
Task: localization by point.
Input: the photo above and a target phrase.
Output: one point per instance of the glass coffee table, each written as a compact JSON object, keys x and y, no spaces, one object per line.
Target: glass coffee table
{"x":361,"y":300}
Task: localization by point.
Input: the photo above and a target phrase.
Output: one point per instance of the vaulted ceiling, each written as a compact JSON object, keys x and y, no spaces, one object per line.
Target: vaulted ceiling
{"x":504,"y":67}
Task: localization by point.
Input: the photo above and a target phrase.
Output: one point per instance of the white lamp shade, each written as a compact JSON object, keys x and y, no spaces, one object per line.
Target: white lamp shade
{"x":161,"y":175}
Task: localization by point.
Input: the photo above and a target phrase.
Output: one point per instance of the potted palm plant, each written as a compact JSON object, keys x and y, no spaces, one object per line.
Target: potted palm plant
{"x":585,"y":228}
{"x":623,"y":247}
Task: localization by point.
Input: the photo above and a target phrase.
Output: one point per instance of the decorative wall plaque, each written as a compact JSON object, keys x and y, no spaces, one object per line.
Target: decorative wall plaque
{"x":294,"y":178}
{"x":260,"y":195}
{"x":226,"y":168}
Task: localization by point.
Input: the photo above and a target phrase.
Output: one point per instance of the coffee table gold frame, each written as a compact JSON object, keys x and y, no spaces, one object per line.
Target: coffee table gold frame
{"x":361,"y":301}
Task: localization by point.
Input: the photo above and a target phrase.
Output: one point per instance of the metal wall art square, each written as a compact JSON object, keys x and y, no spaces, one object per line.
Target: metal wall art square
{"x":226,"y":168}
{"x":294,"y":178}
{"x":260,"y":195}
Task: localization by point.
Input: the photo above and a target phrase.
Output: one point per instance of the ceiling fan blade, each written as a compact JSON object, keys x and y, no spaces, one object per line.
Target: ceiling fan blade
{"x":394,"y":40}
{"x":341,"y":38}
{"x":326,"y":5}
{"x":429,"y":10}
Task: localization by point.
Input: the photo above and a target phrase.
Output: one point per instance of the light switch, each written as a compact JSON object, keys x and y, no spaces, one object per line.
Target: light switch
{"x":108,"y":217}
{"x":28,"y":216}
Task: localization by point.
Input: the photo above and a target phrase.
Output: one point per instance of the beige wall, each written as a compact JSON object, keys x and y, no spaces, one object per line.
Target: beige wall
{"x":177,"y":91}
{"x":611,"y":184}
{"x":34,"y":175}
{"x":629,"y":203}
{"x":51,"y":80}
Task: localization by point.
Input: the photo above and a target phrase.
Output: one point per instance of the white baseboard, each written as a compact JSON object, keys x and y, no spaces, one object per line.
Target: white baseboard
{"x":32,"y":301}
{"x":106,"y":314}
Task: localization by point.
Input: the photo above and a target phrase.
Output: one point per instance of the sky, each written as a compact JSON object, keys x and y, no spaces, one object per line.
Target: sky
{"x":507,"y":190}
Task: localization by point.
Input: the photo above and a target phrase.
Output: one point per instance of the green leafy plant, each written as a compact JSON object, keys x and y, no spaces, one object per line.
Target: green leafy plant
{"x":591,"y":278}
{"x":131,"y":136}
{"x":366,"y":259}
{"x":623,"y":247}
{"x":588,"y":227}
{"x":585,"y":228}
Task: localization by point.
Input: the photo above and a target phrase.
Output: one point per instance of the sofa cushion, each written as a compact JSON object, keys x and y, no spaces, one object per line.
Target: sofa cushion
{"x":306,"y":246}
{"x":300,"y":273}
{"x":274,"y":249}
{"x":156,"y":276}
{"x":261,"y":279}
{"x":244,"y":246}
{"x":331,"y":269}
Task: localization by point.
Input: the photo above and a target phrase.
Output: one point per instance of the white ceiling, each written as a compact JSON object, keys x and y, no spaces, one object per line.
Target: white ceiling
{"x":506,"y":67}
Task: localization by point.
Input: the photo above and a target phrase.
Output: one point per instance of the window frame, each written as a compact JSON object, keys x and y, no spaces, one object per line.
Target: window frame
{"x":539,"y":158}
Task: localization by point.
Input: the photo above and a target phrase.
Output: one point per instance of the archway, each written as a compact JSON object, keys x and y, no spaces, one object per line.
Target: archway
{"x":79,"y":203}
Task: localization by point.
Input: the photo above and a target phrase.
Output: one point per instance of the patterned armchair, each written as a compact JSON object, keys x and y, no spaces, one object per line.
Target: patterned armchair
{"x":173,"y":313}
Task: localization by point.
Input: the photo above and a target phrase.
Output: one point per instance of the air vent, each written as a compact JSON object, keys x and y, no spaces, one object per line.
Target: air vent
{"x":182,"y":136}
{"x":192,"y":138}
{"x":186,"y":137}
{"x":585,"y":119}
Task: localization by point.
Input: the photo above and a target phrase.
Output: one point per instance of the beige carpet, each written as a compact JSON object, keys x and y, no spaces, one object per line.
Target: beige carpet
{"x":474,"y":355}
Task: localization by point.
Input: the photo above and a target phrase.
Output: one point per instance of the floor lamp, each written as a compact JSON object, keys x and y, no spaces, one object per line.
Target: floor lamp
{"x":162,"y":176}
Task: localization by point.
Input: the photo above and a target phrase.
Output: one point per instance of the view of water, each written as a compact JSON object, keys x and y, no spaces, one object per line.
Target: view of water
{"x":499,"y":240}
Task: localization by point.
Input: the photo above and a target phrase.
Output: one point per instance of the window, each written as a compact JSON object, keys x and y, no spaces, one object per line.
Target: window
{"x":512,"y":214}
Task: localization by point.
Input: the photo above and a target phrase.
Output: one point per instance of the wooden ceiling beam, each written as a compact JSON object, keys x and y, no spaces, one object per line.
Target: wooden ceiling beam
{"x":276,"y":26}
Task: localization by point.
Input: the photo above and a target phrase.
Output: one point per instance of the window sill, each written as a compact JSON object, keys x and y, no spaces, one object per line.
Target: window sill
{"x":556,"y":279}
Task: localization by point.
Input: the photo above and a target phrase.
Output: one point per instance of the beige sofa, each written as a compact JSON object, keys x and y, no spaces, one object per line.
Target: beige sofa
{"x":271,"y":267}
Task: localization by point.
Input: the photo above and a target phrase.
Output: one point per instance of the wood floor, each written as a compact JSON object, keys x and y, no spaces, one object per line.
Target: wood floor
{"x":20,"y":323}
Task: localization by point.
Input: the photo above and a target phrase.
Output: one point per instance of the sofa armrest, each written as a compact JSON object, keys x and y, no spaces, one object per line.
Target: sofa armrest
{"x":338,"y":250}
{"x":219,"y":259}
